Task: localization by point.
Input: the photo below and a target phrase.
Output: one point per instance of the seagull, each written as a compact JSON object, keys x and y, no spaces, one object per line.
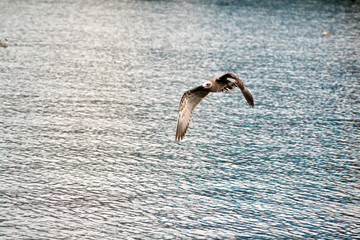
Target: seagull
{"x":192,"y":98}
{"x":5,"y":44}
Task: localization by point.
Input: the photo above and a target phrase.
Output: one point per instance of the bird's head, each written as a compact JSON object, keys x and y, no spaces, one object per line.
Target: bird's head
{"x":207,"y":84}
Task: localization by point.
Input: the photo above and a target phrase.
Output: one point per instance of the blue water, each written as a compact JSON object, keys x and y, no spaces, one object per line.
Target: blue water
{"x":89,"y":93}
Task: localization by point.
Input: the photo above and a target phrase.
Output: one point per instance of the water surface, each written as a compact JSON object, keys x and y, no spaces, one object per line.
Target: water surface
{"x":89,"y":92}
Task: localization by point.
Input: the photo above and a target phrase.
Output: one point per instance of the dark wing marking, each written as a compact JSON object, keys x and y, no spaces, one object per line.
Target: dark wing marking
{"x":189,"y":101}
{"x":249,"y":98}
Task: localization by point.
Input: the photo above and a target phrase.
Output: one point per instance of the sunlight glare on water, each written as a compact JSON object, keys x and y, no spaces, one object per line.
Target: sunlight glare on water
{"x":89,"y":93}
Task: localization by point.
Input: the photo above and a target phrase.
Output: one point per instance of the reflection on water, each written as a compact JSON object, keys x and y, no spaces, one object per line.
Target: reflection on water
{"x":88,"y":105}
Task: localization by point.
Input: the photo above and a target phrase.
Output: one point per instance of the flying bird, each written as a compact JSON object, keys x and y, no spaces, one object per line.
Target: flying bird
{"x":192,"y":98}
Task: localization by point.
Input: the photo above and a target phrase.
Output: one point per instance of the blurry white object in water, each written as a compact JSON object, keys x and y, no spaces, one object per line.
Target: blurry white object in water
{"x":325,"y":33}
{"x":192,"y":98}
{"x":4,"y":44}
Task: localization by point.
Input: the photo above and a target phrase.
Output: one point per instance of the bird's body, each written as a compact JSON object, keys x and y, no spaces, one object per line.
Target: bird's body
{"x":192,"y":98}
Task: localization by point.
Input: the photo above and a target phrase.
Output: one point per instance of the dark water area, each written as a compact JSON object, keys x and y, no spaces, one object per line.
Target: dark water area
{"x":89,"y":93}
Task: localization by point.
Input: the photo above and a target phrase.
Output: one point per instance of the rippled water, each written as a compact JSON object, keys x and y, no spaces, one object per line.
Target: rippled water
{"x":89,"y":92}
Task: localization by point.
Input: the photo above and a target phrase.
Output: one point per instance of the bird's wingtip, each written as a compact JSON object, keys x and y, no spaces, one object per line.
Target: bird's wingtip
{"x":249,"y":98}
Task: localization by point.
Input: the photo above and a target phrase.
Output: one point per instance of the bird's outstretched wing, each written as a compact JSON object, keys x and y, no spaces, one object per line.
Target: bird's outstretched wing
{"x":249,"y":98}
{"x":189,"y":101}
